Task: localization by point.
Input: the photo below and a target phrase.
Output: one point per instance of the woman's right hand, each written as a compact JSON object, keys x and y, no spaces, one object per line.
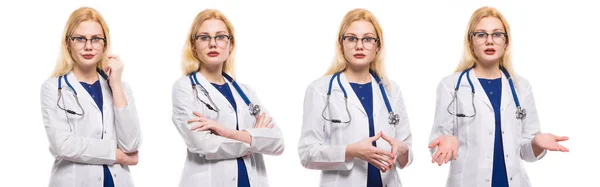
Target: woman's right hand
{"x":263,"y":122}
{"x":365,"y":150}
{"x":126,"y":158}
{"x":447,"y":148}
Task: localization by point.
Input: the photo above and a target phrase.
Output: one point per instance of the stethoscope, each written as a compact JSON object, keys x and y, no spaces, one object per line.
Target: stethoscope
{"x":253,"y":109}
{"x":74,"y":93}
{"x":520,"y":114}
{"x":393,"y":118}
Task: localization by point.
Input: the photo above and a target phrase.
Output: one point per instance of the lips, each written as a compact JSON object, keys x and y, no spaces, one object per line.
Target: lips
{"x":490,"y":51}
{"x":213,"y":54}
{"x":359,"y":55}
{"x":88,"y":56}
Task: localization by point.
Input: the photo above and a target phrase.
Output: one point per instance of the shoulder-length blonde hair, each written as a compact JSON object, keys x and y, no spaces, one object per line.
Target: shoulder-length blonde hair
{"x":65,"y":61}
{"x":190,"y":62}
{"x":340,"y":62}
{"x":469,"y":59}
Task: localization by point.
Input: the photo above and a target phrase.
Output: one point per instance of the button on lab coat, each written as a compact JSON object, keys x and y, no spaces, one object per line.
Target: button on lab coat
{"x":473,"y":166}
{"x":76,"y":141}
{"x":322,"y":144}
{"x":211,"y":159}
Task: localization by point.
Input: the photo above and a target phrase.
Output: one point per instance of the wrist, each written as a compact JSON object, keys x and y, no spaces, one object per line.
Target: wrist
{"x":350,"y":152}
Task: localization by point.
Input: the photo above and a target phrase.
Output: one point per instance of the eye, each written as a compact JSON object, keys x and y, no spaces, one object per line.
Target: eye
{"x":351,"y":38}
{"x":95,"y":39}
{"x":481,"y":35}
{"x":498,"y":34}
{"x":368,"y":39}
{"x":79,"y":39}
{"x":222,"y":37}
{"x":203,"y":37}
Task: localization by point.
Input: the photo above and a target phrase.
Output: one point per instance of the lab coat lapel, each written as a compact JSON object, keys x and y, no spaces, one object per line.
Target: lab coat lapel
{"x":107,"y":100}
{"x":217,"y":97}
{"x":82,"y":93}
{"x":378,"y":100}
{"x":352,"y":98}
{"x":479,"y":92}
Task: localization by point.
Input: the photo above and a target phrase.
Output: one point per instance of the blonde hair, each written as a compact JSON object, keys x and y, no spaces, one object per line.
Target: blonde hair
{"x":340,"y":62}
{"x":65,"y":61}
{"x":190,"y":62}
{"x":469,"y":59}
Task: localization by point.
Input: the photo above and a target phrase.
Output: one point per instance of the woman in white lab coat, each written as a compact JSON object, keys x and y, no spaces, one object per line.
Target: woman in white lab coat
{"x":361,"y":140}
{"x":222,"y":122}
{"x":89,"y":113}
{"x":486,"y":135}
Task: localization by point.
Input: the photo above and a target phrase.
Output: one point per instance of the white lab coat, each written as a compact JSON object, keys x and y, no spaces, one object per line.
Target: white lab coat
{"x":322,"y":144}
{"x":211,"y":159}
{"x":76,"y":141}
{"x":473,"y":166}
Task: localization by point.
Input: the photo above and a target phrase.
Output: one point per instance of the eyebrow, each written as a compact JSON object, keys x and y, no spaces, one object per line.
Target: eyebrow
{"x":352,"y":34}
{"x":94,"y":35}
{"x":218,"y":32}
{"x":482,"y":30}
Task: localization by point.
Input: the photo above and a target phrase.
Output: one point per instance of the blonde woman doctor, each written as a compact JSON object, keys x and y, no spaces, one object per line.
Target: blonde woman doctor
{"x":222,"y":122}
{"x":355,"y":126}
{"x":88,"y":112}
{"x":486,"y":120}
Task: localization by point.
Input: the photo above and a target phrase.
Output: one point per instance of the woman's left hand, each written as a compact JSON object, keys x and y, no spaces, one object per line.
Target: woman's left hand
{"x":550,"y":142}
{"x":114,"y":69}
{"x":211,"y":125}
{"x":398,"y":147}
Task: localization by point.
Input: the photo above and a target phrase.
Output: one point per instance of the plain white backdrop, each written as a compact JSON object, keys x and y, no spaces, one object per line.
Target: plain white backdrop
{"x":282,"y":47}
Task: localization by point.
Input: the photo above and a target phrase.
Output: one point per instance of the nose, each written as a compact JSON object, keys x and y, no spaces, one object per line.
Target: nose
{"x":212,"y":43}
{"x":87,"y":47}
{"x":359,"y":45}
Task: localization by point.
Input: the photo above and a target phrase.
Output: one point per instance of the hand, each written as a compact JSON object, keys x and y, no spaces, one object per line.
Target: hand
{"x":207,"y":124}
{"x":262,"y":122}
{"x":126,"y":158}
{"x":550,"y":142}
{"x":114,"y":69}
{"x":398,"y":147}
{"x":447,"y":148}
{"x":365,"y":150}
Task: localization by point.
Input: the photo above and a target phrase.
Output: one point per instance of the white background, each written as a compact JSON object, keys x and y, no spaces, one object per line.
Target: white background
{"x":282,"y":47}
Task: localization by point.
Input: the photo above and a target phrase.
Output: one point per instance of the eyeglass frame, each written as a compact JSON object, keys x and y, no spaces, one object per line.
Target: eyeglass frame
{"x":487,"y":35}
{"x":73,"y":38}
{"x":376,"y":39}
{"x":212,"y":38}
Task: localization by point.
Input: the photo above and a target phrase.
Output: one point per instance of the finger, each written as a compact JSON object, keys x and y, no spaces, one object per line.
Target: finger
{"x":447,"y":157}
{"x":561,"y":138}
{"x":386,"y":160}
{"x":194,"y":120}
{"x":436,"y":155}
{"x":376,"y":137}
{"x":258,"y":123}
{"x":382,"y":152}
{"x":268,"y":121}
{"x":434,"y":143}
{"x":195,"y":127}
{"x":205,"y":128}
{"x":270,"y":126}
{"x":377,"y":164}
{"x":198,"y":114}
{"x":386,"y":138}
{"x":563,"y":148}
{"x":442,"y":158}
{"x":454,"y":153}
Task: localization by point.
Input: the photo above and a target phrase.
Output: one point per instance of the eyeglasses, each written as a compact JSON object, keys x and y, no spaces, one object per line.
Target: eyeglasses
{"x":498,"y":38}
{"x":367,"y":42}
{"x":80,"y":42}
{"x":220,"y":40}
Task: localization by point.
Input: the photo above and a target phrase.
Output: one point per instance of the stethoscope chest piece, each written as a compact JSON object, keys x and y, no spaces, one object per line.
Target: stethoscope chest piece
{"x":254,"y":109}
{"x":394,"y":118}
{"x":521,"y":113}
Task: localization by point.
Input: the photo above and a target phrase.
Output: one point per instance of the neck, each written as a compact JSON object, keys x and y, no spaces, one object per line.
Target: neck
{"x":358,"y":75}
{"x":213,"y":74}
{"x":488,"y":70}
{"x":85,"y":74}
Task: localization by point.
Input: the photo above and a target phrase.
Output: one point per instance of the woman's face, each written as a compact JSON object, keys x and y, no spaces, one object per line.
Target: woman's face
{"x":86,"y":44}
{"x":489,"y":40}
{"x":212,"y":42}
{"x":360,"y":43}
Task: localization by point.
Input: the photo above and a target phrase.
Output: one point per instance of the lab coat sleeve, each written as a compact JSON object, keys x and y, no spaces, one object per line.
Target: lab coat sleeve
{"x":64,"y":144}
{"x":531,"y":125}
{"x":211,"y":146}
{"x":129,"y":135}
{"x":403,"y":132}
{"x":265,"y":140}
{"x":443,"y":122}
{"x":313,"y":151}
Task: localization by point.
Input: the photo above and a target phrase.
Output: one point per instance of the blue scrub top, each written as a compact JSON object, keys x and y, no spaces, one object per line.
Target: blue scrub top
{"x":493,"y":89}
